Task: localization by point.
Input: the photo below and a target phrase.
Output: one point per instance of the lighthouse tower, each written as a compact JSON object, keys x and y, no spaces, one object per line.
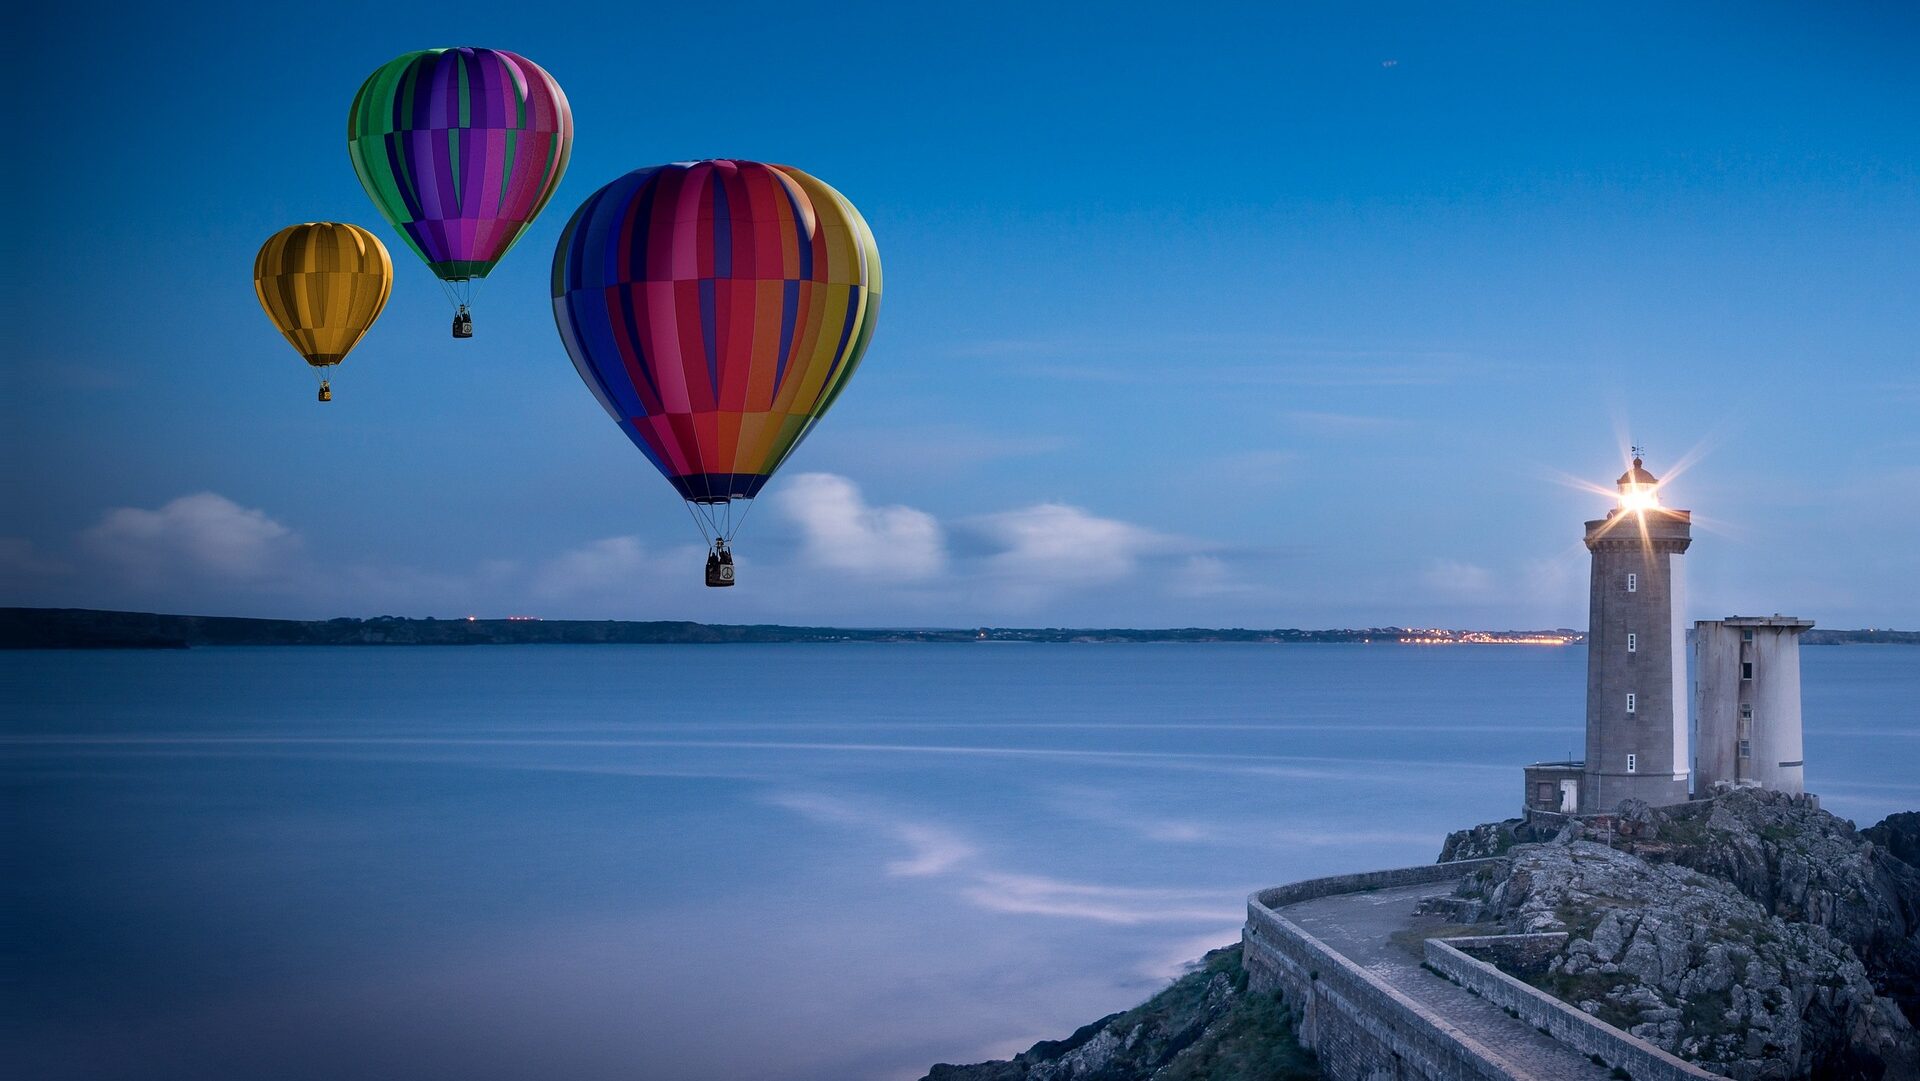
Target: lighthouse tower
{"x":1636,"y":651}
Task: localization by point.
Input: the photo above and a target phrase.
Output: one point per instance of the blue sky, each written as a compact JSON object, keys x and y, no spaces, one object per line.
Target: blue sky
{"x":1241,"y":316}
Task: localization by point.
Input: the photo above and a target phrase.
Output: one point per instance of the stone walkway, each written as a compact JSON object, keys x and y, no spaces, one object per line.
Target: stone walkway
{"x":1361,"y":927}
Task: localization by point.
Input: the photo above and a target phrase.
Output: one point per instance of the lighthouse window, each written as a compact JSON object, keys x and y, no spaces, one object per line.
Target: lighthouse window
{"x":1633,"y":642}
{"x":1747,"y":635}
{"x":1746,"y":748}
{"x":1746,"y":669}
{"x":1632,"y":700}
{"x":1633,"y":761}
{"x":1746,"y":712}
{"x":1633,"y":583}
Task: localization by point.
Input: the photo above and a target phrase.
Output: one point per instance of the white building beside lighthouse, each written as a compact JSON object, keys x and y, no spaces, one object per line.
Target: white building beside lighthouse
{"x":1746,"y":702}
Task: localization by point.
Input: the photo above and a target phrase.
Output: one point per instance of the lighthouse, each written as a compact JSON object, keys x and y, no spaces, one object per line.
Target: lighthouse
{"x":1636,"y":650}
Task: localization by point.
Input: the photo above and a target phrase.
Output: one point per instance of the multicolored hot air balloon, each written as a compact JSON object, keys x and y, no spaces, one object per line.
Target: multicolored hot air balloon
{"x":323,"y":283}
{"x":460,"y":149}
{"x":716,"y":309}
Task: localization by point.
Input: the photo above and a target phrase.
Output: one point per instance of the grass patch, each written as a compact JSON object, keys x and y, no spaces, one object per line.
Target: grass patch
{"x":1573,"y":990}
{"x":1779,"y":834}
{"x":1691,"y":830}
{"x":1254,"y":1041}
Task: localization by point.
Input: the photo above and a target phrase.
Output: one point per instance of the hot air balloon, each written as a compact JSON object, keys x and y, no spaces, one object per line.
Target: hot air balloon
{"x":460,"y":149}
{"x":716,"y":309}
{"x":323,"y":283}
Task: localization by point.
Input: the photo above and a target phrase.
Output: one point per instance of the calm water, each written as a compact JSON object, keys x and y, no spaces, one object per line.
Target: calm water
{"x":783,"y":862}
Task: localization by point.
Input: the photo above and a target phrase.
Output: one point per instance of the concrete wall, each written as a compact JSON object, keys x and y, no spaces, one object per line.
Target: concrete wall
{"x":1358,"y":1026}
{"x":1716,"y":703}
{"x":1583,"y":1033}
{"x":1776,"y":757}
{"x":1654,"y":672}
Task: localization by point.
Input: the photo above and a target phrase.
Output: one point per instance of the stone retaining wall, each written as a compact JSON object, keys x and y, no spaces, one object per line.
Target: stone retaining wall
{"x":1358,"y":1025}
{"x":1512,"y":953}
{"x":1588,"y":1035}
{"x":1292,"y":892}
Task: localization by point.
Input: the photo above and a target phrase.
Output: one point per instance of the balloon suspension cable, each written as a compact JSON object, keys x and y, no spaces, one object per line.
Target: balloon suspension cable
{"x":699,"y":523}
{"x":733,"y":526}
{"x":716,"y":521}
{"x":460,"y":291}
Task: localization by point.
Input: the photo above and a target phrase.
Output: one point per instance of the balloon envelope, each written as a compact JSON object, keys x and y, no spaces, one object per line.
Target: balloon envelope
{"x":323,"y":283}
{"x":460,"y":149}
{"x":716,"y":309}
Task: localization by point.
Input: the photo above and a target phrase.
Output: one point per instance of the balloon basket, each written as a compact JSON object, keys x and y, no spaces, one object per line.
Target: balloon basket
{"x":719,"y":567}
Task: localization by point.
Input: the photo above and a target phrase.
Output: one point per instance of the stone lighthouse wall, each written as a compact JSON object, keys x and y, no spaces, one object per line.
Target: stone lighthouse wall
{"x":1636,"y":661}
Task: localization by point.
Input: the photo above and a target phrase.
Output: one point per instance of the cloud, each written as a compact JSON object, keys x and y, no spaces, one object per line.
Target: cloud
{"x":841,"y":532}
{"x":1057,"y":544}
{"x":612,"y":564}
{"x":1458,"y":579}
{"x":204,"y":534}
{"x":842,"y":558}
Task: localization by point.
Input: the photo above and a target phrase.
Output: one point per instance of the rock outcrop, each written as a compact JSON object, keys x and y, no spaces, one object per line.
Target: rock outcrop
{"x":1899,"y":835}
{"x":1753,"y":933}
{"x":1206,"y":1027}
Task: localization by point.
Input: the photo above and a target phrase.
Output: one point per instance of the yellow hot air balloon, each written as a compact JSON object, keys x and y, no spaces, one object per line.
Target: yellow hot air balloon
{"x":323,"y":283}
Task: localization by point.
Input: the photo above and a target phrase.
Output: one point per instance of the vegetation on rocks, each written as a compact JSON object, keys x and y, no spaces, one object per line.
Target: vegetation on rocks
{"x":1205,"y":1027}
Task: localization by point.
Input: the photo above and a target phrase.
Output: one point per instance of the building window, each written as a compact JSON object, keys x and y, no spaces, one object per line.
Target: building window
{"x":1746,"y":635}
{"x":1633,"y":763}
{"x":1544,"y":793}
{"x":1746,"y":669}
{"x":1633,"y":642}
{"x":1632,"y":701}
{"x":1633,"y":583}
{"x":1746,"y":712}
{"x":1746,"y":748}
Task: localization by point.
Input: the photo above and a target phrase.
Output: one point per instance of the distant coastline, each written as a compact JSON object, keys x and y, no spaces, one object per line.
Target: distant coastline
{"x":83,"y":628}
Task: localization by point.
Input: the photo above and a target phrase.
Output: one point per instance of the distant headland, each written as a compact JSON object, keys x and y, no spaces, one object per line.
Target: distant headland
{"x":83,"y":628}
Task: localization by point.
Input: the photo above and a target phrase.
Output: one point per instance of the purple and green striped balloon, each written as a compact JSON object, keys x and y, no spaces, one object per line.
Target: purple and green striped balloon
{"x":460,"y":149}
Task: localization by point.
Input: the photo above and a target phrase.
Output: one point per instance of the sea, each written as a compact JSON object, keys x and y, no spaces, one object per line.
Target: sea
{"x":691,"y":863}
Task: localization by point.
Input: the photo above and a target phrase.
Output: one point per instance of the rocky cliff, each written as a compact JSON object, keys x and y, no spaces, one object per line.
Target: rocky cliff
{"x":1753,"y":933}
{"x":1206,"y":1027}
